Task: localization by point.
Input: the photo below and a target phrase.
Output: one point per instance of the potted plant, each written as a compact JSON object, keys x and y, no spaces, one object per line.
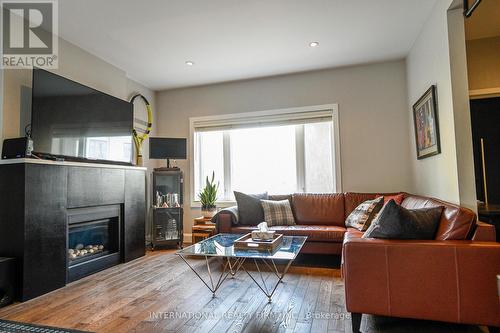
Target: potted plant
{"x":208,"y":197}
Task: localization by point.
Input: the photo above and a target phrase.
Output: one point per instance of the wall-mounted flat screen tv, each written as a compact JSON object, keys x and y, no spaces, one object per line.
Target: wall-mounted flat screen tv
{"x":76,"y":122}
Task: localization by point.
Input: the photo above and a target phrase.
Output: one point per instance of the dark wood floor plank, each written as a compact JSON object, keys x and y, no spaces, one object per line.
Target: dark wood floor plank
{"x":249,"y":303}
{"x":304,"y":319}
{"x":279,"y":307}
{"x":268,"y":310}
{"x":322,"y":312}
{"x":177,"y":289}
{"x":340,"y":322}
{"x":295,"y":304}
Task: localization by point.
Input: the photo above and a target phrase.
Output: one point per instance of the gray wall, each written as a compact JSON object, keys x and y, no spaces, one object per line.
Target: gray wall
{"x":373,"y":116}
{"x":449,"y":175}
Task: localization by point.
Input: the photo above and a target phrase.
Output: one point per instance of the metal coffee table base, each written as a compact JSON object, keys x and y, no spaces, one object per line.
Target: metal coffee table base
{"x":228,"y":269}
{"x":268,"y":290}
{"x":231,"y":268}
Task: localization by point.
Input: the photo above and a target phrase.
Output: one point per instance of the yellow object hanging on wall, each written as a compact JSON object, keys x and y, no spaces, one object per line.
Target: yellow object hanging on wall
{"x":143,"y":122}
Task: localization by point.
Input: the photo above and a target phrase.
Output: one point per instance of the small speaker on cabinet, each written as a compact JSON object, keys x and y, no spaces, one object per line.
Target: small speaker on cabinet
{"x":17,"y":148}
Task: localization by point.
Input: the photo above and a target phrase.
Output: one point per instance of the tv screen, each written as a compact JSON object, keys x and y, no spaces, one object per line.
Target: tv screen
{"x":162,"y":148}
{"x":77,"y":122}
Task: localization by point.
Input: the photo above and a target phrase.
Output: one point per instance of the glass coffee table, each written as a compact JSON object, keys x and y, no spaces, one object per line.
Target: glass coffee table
{"x":221,"y":246}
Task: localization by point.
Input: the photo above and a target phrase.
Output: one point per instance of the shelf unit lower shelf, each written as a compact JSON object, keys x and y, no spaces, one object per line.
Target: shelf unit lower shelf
{"x":167,"y":227}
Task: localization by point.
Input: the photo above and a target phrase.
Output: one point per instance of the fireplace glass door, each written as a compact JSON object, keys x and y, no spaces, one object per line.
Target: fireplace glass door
{"x":92,"y":239}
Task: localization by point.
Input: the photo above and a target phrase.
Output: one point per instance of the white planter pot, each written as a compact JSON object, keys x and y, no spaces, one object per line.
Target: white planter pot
{"x":208,"y":213}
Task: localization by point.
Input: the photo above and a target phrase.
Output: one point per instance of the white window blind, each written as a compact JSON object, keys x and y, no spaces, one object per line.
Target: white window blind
{"x":279,"y":151}
{"x":262,"y":120}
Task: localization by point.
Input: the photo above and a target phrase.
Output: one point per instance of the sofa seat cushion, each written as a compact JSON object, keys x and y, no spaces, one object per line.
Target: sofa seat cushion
{"x":314,"y":233}
{"x":353,"y":233}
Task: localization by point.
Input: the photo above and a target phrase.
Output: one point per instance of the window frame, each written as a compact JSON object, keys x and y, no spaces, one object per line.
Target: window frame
{"x":221,"y":119}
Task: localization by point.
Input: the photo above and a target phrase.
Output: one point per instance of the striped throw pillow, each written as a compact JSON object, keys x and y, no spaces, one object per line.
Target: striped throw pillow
{"x":277,"y":212}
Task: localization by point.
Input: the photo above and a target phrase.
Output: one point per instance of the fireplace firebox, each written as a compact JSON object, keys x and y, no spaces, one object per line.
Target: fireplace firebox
{"x":94,"y":241}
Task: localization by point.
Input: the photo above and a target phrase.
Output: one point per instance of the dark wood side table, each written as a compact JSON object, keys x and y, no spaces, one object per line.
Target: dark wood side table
{"x":202,"y":229}
{"x":490,"y":214}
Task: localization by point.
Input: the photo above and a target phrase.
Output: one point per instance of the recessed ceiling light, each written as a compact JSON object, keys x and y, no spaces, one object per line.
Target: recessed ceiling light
{"x":189,"y":63}
{"x":314,"y":44}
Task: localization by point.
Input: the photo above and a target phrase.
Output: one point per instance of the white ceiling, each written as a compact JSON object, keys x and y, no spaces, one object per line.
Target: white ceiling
{"x":239,"y":39}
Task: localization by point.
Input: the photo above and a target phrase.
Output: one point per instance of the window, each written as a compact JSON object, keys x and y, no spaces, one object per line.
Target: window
{"x":116,"y":148}
{"x":97,"y":148}
{"x":281,"y":152}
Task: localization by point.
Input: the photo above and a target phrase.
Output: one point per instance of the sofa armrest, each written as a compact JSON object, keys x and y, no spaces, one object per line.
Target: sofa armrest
{"x":484,"y":232}
{"x":224,"y":224}
{"x":453,"y":281}
{"x":225,"y":219}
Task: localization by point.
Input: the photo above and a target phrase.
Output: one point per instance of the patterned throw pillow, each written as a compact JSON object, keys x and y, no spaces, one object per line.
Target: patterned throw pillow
{"x":363,"y":215}
{"x":277,"y":212}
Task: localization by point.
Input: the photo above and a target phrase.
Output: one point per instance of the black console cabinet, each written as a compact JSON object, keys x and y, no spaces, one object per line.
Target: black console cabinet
{"x":34,"y":203}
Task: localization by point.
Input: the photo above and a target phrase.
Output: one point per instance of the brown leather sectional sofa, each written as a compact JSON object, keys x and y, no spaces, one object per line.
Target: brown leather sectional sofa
{"x":451,"y":278}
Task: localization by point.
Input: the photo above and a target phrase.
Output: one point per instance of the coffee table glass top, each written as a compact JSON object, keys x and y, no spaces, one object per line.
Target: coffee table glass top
{"x":221,"y":245}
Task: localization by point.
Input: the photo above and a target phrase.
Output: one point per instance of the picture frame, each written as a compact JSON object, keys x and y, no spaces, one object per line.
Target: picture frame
{"x":426,"y":124}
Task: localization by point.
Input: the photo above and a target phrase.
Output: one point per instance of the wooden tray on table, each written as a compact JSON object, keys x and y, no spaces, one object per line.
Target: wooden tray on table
{"x":245,"y":242}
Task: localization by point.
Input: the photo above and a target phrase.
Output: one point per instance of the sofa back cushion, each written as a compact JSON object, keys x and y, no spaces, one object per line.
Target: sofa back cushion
{"x":456,"y":222}
{"x":279,"y":197}
{"x":319,"y":209}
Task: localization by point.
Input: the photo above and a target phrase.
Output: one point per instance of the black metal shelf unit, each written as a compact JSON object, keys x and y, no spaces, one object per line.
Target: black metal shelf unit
{"x":168,"y":192}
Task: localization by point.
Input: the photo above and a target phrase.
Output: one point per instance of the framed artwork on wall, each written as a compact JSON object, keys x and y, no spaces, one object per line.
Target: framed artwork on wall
{"x":425,"y":119}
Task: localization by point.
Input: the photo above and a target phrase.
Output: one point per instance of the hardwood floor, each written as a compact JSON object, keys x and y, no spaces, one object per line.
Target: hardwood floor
{"x":159,"y":293}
